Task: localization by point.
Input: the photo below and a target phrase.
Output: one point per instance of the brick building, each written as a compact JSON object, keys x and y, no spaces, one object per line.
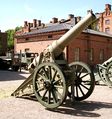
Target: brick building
{"x":3,"y":43}
{"x":91,"y":46}
{"x":105,"y":21}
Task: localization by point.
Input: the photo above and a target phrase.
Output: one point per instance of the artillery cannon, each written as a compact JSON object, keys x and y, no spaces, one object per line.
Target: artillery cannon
{"x":53,"y":79}
{"x":105,"y":72}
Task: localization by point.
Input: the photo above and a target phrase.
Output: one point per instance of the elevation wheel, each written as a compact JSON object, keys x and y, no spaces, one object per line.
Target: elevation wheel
{"x":84,"y":83}
{"x":49,"y":85}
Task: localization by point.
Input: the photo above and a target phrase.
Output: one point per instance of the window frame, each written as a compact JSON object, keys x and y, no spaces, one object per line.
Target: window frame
{"x":107,"y":21}
{"x":77,"y":54}
{"x":91,"y":54}
{"x":101,"y":55}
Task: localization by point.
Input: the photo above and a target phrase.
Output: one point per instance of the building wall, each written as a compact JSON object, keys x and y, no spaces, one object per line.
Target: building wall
{"x":33,"y":46}
{"x":86,"y":42}
{"x":36,"y":43}
{"x":105,"y":21}
{"x":3,"y":43}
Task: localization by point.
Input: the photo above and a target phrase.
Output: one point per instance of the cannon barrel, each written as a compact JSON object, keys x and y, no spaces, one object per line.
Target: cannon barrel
{"x":58,"y":46}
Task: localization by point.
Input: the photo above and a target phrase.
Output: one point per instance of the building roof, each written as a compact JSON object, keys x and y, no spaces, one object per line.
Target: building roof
{"x":62,"y":26}
{"x":54,"y":27}
{"x":90,"y":31}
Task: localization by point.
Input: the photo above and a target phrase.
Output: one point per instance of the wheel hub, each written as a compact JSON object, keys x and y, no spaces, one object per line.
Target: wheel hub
{"x":48,"y":85}
{"x":78,"y":81}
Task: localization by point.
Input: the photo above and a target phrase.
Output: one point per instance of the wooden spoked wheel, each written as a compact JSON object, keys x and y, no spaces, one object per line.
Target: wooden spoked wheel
{"x":109,"y":75}
{"x":49,"y":85}
{"x":84,"y":81}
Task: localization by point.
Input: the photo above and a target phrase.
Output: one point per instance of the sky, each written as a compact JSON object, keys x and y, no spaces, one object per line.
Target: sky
{"x":13,"y":13}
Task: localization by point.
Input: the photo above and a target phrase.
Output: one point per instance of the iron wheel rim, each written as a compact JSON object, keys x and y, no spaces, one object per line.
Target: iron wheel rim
{"x":54,"y":88}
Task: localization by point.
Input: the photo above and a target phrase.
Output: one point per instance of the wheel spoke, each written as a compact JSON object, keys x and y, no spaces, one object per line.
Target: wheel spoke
{"x":46,"y":75}
{"x":76,"y":66}
{"x":54,"y":96}
{"x":86,"y":82}
{"x":54,"y":75}
{"x":44,"y":94}
{"x":84,"y":86}
{"x":40,"y":89}
{"x":50,"y":73}
{"x":49,"y":96}
{"x":57,"y":86}
{"x":56,"y":81}
{"x":77,"y":92}
{"x":84,"y":75}
{"x":43,"y":77}
{"x":58,"y":94}
{"x":80,"y":71}
{"x":81,"y":90}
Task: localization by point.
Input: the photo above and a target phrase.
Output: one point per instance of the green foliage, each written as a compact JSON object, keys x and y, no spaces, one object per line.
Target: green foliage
{"x":94,"y":25}
{"x":10,"y":37}
{"x":18,"y":28}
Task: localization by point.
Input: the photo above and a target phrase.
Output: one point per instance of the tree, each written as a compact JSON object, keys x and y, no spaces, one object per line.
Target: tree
{"x":10,"y":37}
{"x":94,"y":25}
{"x":18,"y":28}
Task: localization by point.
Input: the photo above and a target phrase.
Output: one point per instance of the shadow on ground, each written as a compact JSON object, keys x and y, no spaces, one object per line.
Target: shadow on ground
{"x":81,"y":109}
{"x":84,"y":108}
{"x":12,"y":75}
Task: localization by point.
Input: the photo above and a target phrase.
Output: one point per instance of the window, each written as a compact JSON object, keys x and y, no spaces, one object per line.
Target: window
{"x":77,"y":54}
{"x":101,"y":56}
{"x":27,"y":50}
{"x":107,"y":21}
{"x":107,"y":30}
{"x":50,"y":36}
{"x":27,"y":39}
{"x":91,"y":54}
{"x":0,"y":44}
{"x":111,"y":53}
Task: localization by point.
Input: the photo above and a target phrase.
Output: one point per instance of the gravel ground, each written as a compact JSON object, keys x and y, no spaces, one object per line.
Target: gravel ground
{"x":98,"y":105}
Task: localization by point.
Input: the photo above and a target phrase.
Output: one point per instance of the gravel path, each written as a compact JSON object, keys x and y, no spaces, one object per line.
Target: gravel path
{"x":98,"y":105}
{"x":9,"y":81}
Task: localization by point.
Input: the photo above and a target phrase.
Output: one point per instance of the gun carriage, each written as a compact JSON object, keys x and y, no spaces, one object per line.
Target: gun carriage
{"x":105,"y":72}
{"x":53,"y":79}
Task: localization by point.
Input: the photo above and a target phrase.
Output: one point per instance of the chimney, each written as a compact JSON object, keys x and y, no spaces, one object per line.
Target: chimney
{"x":28,"y":27}
{"x":43,"y":25}
{"x":89,"y":11}
{"x":108,"y":7}
{"x":78,"y":18}
{"x":39,"y":22}
{"x":31,"y":25}
{"x":54,"y":20}
{"x":34,"y":23}
{"x":25,"y":23}
{"x":70,"y":16}
{"x":62,"y":20}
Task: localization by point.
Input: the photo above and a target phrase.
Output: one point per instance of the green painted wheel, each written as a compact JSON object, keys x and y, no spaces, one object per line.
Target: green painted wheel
{"x":84,"y":83}
{"x":49,"y":85}
{"x":109,"y":75}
